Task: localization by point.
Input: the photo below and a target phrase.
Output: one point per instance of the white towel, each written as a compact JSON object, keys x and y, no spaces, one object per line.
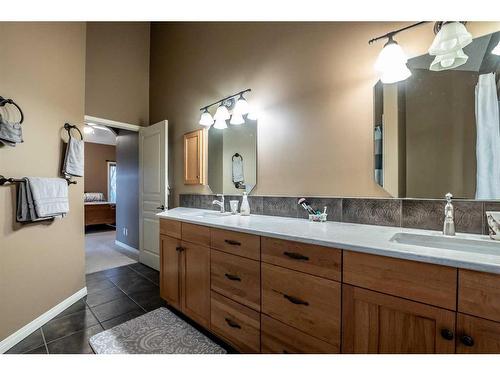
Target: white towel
{"x":238,"y":169}
{"x":488,"y":138}
{"x":50,"y":196}
{"x":74,"y":158}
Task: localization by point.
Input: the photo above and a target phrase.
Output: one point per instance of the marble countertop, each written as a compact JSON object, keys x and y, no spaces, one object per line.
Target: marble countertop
{"x":369,"y":239}
{"x":95,"y":203}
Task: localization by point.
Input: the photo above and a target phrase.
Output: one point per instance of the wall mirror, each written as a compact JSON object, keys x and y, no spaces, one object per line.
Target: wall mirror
{"x":439,"y":131}
{"x":232,"y":158}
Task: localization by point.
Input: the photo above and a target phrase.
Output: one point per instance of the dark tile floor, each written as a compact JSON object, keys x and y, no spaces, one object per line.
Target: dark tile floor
{"x":114,"y":296}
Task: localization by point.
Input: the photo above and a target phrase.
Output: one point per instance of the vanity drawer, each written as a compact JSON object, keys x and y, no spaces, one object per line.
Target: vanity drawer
{"x":277,"y":337}
{"x":316,"y":260}
{"x":243,"y":244}
{"x":309,"y":303}
{"x":236,"y":277}
{"x":422,"y":282}
{"x":171,"y":228}
{"x":196,"y":234}
{"x":479,"y":294}
{"x":237,"y":324}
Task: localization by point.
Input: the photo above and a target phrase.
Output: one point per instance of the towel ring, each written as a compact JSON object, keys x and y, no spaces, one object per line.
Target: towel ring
{"x":237,"y":156}
{"x":4,"y":101}
{"x":68,"y":128}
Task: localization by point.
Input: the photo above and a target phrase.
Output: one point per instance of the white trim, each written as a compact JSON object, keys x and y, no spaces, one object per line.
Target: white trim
{"x":112,"y":123}
{"x":125,"y":246}
{"x":31,"y":327}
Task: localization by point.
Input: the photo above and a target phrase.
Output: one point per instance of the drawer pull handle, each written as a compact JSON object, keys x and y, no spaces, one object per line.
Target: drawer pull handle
{"x":467,"y":340}
{"x":296,"y":256}
{"x":232,"y":277}
{"x":447,"y":334}
{"x":232,"y":324}
{"x":179,"y":248}
{"x":295,"y":300}
{"x":232,"y":242}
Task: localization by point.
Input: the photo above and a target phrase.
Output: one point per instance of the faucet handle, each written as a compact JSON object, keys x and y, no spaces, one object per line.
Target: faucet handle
{"x":448,"y":197}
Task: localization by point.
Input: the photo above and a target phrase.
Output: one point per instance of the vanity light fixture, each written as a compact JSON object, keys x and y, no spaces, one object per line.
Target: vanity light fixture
{"x":496,"y":50}
{"x":451,"y":38}
{"x":239,"y":108}
{"x":206,"y":118}
{"x":88,"y":129}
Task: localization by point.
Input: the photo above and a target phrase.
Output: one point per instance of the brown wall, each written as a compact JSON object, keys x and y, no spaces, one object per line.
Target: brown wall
{"x":96,"y":167}
{"x":117,"y":71}
{"x":43,"y":71}
{"x":313,"y":83}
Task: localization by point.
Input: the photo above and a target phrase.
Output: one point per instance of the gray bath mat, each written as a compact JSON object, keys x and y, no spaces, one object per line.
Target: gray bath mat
{"x":157,"y":332}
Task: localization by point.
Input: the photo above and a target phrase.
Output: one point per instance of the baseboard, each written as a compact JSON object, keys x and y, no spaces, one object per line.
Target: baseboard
{"x":31,"y":327}
{"x":125,"y":246}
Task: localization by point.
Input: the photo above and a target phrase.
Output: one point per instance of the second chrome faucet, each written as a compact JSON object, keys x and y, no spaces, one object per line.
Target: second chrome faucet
{"x":220,"y":203}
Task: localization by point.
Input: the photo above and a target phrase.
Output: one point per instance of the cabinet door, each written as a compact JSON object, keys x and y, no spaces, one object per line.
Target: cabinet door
{"x":377,"y":323}
{"x":170,"y":270}
{"x":195,"y":285}
{"x":193,"y":158}
{"x":476,"y":335}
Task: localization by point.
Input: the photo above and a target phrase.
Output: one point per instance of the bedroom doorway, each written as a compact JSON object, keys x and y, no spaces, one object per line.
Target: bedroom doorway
{"x":111,"y":194}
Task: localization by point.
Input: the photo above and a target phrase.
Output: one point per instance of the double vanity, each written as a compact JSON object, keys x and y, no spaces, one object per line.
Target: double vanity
{"x":269,"y":284}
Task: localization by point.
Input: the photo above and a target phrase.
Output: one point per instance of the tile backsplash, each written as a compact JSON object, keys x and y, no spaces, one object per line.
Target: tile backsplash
{"x":406,"y":213}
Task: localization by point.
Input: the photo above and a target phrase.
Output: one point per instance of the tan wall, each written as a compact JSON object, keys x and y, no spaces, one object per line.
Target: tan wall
{"x":40,"y":265}
{"x":312,"y":81}
{"x":117,"y":71}
{"x":96,"y":167}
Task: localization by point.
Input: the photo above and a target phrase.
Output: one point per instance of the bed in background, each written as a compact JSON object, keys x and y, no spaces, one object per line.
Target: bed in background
{"x":98,"y":210}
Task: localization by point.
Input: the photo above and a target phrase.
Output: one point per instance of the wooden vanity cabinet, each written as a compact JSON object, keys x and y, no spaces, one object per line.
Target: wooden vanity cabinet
{"x":378,"y":323}
{"x":185,"y":277}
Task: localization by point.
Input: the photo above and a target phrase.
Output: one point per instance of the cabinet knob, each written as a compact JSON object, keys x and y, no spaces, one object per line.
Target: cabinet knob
{"x":467,"y":340}
{"x":179,"y":248}
{"x":295,"y":300}
{"x":447,"y":334}
{"x":232,"y":277}
{"x":232,"y":242}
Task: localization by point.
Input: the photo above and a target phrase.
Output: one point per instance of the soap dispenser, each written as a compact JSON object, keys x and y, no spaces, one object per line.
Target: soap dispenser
{"x":245,"y":207}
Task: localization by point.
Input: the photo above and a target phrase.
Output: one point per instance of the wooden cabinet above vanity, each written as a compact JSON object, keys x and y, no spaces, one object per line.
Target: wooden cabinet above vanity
{"x":270,"y":295}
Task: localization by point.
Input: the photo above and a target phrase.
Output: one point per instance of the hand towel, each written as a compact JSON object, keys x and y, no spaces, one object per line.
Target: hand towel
{"x":50,"y":196}
{"x":10,"y":133}
{"x":74,"y":158}
{"x":238,"y":169}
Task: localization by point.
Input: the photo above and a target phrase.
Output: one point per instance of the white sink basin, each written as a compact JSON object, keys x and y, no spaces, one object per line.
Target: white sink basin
{"x":206,"y":214}
{"x":488,"y":247}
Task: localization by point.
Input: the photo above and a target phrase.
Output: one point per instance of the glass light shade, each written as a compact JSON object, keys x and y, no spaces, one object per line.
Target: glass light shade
{"x":452,"y":37}
{"x":206,"y":119}
{"x":241,"y":107}
{"x":222,"y":113}
{"x":449,"y":61}
{"x":496,"y":50}
{"x":237,"y":119}
{"x":88,"y":130}
{"x":253,"y":115}
{"x":220,"y":124}
{"x":391,"y":63}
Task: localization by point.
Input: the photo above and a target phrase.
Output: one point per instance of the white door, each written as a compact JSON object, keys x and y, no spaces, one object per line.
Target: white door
{"x":153,"y":189}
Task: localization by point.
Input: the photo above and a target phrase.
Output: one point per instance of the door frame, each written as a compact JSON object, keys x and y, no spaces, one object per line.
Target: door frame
{"x":165,"y":198}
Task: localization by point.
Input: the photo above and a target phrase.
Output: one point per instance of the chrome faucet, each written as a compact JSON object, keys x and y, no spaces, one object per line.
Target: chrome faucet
{"x":449,"y":224}
{"x":220,"y":203}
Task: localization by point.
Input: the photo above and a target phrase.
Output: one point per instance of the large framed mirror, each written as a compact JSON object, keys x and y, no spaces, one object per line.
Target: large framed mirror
{"x":232,"y":158}
{"x":439,"y":131}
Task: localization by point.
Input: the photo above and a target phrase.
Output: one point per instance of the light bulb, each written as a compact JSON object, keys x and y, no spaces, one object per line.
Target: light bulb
{"x":449,"y":61}
{"x":241,"y":107}
{"x":253,"y":115}
{"x":391,"y":63}
{"x":88,"y":130}
{"x":237,"y":119}
{"x":206,"y":118}
{"x":220,"y":123}
{"x":222,"y":113}
{"x":496,"y":50}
